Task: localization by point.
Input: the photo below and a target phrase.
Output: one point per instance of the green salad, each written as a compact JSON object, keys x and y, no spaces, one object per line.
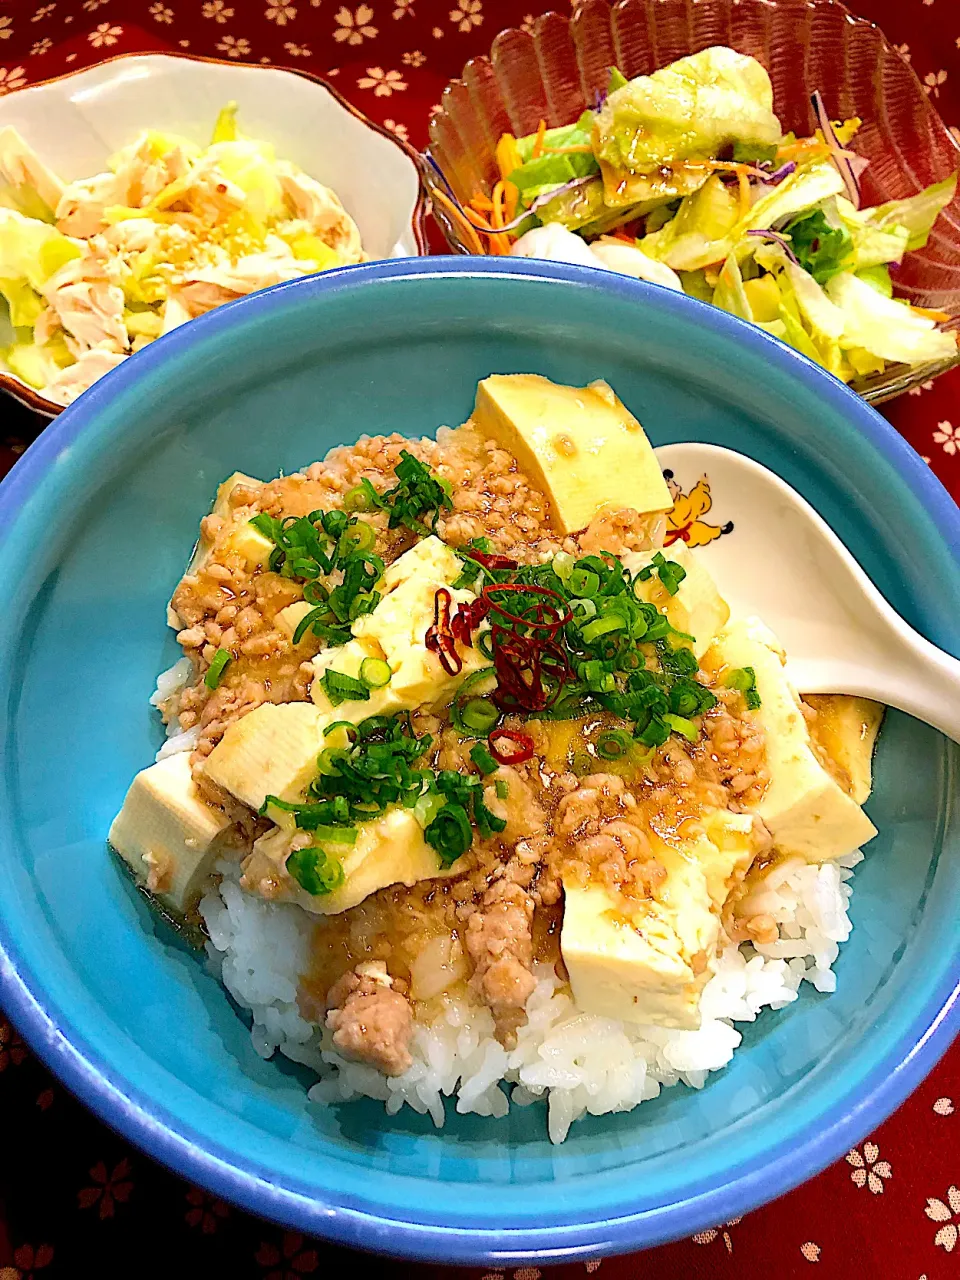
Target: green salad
{"x":685,"y":178}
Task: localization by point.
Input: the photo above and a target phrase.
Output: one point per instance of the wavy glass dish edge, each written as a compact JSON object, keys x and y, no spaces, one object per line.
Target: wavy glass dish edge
{"x":553,"y":70}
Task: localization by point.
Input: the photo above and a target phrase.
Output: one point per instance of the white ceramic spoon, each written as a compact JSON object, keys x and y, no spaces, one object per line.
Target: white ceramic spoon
{"x":782,"y":562}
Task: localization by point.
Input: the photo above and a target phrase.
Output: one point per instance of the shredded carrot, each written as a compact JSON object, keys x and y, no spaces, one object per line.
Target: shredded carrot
{"x":454,"y":213}
{"x":496,"y":215}
{"x":508,"y":155}
{"x":800,"y":149}
{"x":511,"y":198}
{"x":481,"y":203}
{"x":940,"y":316}
{"x":732,"y":166}
{"x":538,"y":143}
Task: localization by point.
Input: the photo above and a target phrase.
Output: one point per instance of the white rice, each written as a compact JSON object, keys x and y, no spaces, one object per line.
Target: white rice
{"x":579,"y":1062}
{"x":170,"y":684}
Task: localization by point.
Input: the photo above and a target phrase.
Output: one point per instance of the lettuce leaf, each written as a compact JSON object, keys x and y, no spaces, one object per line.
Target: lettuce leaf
{"x":702,"y":223}
{"x":31,"y":250}
{"x":250,"y":165}
{"x":688,"y":111}
{"x":887,"y":327}
{"x":885,"y":233}
{"x":803,"y":190}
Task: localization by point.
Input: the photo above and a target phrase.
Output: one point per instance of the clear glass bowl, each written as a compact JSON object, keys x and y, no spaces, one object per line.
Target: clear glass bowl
{"x":556,"y":70}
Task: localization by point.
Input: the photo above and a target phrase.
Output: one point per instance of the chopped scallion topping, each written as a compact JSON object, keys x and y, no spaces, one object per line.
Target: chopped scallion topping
{"x":669,"y":572}
{"x":481,"y":757}
{"x":744,"y":680}
{"x":216,"y":668}
{"x":315,"y":871}
{"x":375,"y":673}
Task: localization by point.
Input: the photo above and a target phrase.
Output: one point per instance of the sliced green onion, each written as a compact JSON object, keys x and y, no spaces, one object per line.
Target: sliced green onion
{"x":481,"y":757}
{"x":336,"y":835}
{"x":315,"y":871}
{"x":583,"y":582}
{"x":502,"y":788}
{"x":655,"y":733}
{"x":602,"y":626}
{"x":357,"y":537}
{"x":328,"y":761}
{"x":307,"y":621}
{"x":363,"y":497}
{"x":450,"y":833}
{"x":427,"y":807}
{"x":583,"y":611}
{"x":613,"y":744}
{"x":375,"y":673}
{"x":563,"y":566}
{"x":343,"y":688}
{"x":680,"y":724}
{"x":216,"y":668}
{"x":744,"y":680}
{"x":349,"y":730}
{"x":480,"y":715}
{"x":285,"y":806}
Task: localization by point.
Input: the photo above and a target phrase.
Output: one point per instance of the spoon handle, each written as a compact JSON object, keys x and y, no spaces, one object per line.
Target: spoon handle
{"x":894,"y":665}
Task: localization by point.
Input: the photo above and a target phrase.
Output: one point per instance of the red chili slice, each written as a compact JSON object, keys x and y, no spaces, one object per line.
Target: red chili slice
{"x":490,"y":560}
{"x":439,"y":638}
{"x":519,"y":746}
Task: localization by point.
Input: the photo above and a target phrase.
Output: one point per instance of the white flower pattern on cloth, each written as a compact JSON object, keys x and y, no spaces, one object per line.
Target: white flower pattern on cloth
{"x":932,"y":82}
{"x":943,"y":1106}
{"x":938,"y":1211}
{"x":217,"y":10}
{"x":41,"y":47}
{"x":414,"y":59}
{"x":403,"y":9}
{"x":160,"y":13}
{"x":298,"y":50}
{"x":811,"y":1252}
{"x":233,"y":47}
{"x":44,"y":11}
{"x":354,"y":27}
{"x":868,"y":1170}
{"x":12,"y":78}
{"x":281,"y":14}
{"x":399,"y":129}
{"x":6,"y":28}
{"x":104,"y":35}
{"x":467,"y":14}
{"x":383,"y":83}
{"x":947,"y":435}
{"x":717,"y":1233}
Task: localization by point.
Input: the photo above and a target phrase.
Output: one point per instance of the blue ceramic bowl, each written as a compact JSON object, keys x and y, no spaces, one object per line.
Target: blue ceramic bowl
{"x":96,"y":522}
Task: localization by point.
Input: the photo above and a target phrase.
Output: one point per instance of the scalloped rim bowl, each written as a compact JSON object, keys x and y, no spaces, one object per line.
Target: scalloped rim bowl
{"x":116,"y":1013}
{"x":77,"y":120}
{"x":554,"y":70}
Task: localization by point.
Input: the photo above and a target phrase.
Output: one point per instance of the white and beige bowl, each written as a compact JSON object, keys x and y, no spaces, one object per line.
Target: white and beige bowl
{"x":76,"y":121}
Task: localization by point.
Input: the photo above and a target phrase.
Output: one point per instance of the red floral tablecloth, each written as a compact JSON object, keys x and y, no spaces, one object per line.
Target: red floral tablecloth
{"x":77,"y":1201}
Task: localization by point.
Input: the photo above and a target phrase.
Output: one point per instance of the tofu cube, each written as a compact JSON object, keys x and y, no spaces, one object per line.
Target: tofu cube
{"x":806,"y":811}
{"x":846,"y":729}
{"x":580,"y":445}
{"x":271,"y":751}
{"x":167,"y":832}
{"x":389,"y":850}
{"x":698,"y":609}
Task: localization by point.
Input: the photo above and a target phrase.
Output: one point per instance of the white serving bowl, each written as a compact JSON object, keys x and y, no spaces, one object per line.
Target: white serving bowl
{"x":76,"y":121}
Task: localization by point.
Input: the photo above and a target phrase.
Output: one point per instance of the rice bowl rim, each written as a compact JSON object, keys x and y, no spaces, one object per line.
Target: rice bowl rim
{"x":51,"y":1032}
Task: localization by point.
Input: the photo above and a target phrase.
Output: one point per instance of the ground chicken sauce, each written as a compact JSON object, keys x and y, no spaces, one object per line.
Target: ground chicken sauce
{"x":568,"y":812}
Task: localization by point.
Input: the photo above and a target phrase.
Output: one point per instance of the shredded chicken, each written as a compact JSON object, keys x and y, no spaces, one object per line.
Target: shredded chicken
{"x":168,"y":232}
{"x":82,"y":374}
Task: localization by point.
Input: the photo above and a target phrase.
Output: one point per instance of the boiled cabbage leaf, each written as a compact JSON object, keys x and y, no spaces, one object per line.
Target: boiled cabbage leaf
{"x":648,"y":130}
